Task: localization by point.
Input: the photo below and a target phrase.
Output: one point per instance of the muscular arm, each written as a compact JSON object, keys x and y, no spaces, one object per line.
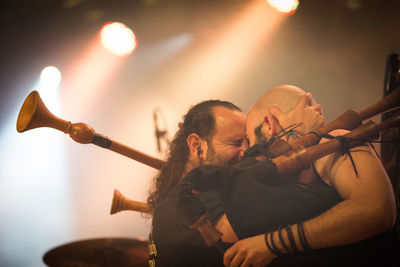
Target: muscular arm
{"x":368,"y":206}
{"x":367,"y":209}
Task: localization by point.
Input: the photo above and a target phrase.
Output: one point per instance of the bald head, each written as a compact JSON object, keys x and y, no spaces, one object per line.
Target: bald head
{"x":283,"y":97}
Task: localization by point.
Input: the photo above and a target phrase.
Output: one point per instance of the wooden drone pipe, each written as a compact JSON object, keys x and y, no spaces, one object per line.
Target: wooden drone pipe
{"x":301,"y":158}
{"x":121,"y":203}
{"x":34,"y":114}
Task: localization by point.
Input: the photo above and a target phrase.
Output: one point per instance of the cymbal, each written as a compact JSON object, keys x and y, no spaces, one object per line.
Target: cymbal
{"x":101,"y":252}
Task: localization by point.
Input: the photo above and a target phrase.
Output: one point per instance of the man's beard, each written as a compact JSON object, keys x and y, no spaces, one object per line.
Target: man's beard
{"x":215,"y":159}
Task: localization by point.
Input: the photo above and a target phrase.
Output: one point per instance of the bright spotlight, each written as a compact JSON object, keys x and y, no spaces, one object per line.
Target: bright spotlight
{"x":50,"y":76}
{"x":284,"y":6}
{"x":118,"y":38}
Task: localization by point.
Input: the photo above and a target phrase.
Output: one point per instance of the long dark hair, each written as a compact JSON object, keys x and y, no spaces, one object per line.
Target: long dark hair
{"x":200,"y":119}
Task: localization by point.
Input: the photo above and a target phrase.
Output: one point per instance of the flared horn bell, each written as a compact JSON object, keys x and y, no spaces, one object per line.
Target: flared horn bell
{"x":34,"y":114}
{"x":121,"y":203}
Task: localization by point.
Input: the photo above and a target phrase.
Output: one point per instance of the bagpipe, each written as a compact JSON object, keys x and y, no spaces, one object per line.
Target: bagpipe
{"x":34,"y":114}
{"x":286,"y":159}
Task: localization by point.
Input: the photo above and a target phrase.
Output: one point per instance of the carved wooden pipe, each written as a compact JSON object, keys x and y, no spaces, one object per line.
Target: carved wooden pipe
{"x":120,"y":203}
{"x":34,"y":114}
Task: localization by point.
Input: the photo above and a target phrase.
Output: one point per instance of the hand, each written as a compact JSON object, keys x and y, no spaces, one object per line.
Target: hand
{"x":249,"y":252}
{"x":310,"y":116}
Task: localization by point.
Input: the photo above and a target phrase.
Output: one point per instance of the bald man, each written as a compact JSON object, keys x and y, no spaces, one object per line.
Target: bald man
{"x":367,"y":207}
{"x":331,"y":209}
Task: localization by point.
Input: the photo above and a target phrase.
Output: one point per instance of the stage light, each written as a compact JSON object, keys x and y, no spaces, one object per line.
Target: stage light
{"x":284,"y":6}
{"x":258,"y":22}
{"x":50,"y":76}
{"x":118,"y":38}
{"x":34,"y":172}
{"x":48,"y":86}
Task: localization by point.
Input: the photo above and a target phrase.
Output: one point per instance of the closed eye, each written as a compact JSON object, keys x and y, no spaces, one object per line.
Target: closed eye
{"x":237,"y":143}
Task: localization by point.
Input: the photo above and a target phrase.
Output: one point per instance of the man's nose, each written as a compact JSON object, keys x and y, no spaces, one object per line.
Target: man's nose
{"x":243,"y":148}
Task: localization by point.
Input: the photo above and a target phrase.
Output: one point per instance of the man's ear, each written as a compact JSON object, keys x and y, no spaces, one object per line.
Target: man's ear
{"x":197,"y":145}
{"x":270,"y":126}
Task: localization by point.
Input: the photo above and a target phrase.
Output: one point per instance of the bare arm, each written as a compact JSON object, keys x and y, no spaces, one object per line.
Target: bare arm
{"x":367,"y":209}
{"x":368,"y":206}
